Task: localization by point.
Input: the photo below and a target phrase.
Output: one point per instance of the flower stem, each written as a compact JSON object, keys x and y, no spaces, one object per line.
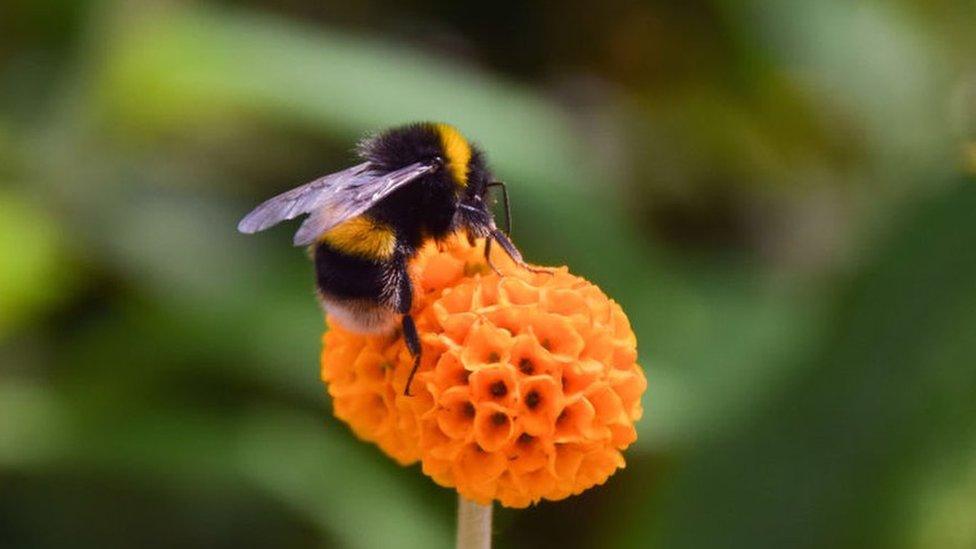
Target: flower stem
{"x":473,"y":525}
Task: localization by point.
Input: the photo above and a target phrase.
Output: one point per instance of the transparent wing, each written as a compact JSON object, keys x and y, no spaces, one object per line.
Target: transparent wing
{"x":331,"y":199}
{"x":298,"y":201}
{"x":354,"y":198}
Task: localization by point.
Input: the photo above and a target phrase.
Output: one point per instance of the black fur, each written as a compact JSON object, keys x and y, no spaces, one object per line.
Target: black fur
{"x":401,"y":146}
{"x":424,"y":209}
{"x":348,"y":277}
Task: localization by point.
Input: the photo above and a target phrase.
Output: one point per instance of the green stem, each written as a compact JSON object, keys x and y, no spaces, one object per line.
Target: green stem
{"x":473,"y":525}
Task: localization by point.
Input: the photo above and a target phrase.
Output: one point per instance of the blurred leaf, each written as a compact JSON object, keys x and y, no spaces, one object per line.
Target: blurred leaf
{"x":890,"y":395}
{"x":32,"y":270}
{"x":188,"y":65}
{"x":370,"y":509}
{"x":32,"y":424}
{"x":292,"y":456}
{"x":872,"y":64}
{"x":718,"y":352}
{"x":942,"y":503}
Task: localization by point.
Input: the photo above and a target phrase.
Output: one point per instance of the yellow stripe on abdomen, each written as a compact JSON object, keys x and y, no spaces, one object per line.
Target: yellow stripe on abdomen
{"x":457,"y":150}
{"x":363,"y":237}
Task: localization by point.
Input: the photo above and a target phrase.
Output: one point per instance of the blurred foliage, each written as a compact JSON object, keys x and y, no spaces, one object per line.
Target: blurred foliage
{"x":29,"y":274}
{"x":771,"y":189}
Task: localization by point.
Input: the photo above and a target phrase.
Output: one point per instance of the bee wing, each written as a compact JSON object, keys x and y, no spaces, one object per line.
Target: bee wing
{"x":298,"y":201}
{"x":348,"y":201}
{"x":331,"y":199}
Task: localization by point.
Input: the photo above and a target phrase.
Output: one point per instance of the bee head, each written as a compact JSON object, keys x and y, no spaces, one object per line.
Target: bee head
{"x":456,"y":154}
{"x":459,"y":161}
{"x":474,"y":211}
{"x":461,"y":168}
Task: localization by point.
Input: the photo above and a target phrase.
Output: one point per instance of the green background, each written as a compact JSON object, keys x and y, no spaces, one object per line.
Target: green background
{"x":777,"y":193}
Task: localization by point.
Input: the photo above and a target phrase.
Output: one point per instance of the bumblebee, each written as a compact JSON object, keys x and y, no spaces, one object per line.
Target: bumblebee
{"x":417,"y":183}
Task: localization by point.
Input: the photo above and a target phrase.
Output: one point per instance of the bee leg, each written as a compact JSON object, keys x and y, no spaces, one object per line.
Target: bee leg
{"x":413,"y":344}
{"x":513,"y":252}
{"x":488,"y":257}
{"x":508,"y":210}
{"x":410,"y":335}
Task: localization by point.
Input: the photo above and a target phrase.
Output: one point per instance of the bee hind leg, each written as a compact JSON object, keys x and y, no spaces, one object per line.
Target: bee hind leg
{"x":410,"y":335}
{"x":412,"y":338}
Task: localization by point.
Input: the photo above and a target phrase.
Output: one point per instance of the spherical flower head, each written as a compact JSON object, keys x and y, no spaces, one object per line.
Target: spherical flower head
{"x":528,"y":386}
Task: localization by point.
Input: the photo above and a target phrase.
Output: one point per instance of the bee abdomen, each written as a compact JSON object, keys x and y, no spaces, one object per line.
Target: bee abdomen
{"x":345,"y":276}
{"x":360,"y":315}
{"x":363,"y":237}
{"x":355,"y":290}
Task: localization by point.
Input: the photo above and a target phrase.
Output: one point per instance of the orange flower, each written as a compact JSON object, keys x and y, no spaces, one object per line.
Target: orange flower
{"x":528,"y":386}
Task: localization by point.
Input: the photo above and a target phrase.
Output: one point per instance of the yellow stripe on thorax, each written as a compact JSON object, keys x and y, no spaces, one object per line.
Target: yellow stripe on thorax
{"x":457,"y":150}
{"x":362,"y":236}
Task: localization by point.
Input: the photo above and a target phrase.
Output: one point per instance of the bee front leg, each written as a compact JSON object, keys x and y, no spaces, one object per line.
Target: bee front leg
{"x":410,"y":335}
{"x":488,"y":257}
{"x":513,"y":252}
